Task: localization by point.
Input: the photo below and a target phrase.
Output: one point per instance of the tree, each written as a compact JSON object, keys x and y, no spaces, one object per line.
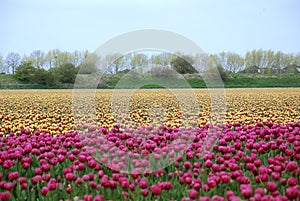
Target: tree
{"x":13,"y":61}
{"x":183,"y":64}
{"x":44,"y":77}
{"x":127,"y":63}
{"x":278,"y":64}
{"x":113,"y":63}
{"x":88,"y":65}
{"x":156,"y":60}
{"x":234,"y":62}
{"x":214,"y":73}
{"x":3,"y":68}
{"x":25,"y":71}
{"x":138,"y":60}
{"x":297,"y":59}
{"x":38,"y":58}
{"x":222,"y":72}
{"x":231,"y":62}
{"x":270,"y":58}
{"x":213,"y":61}
{"x":166,"y":58}
{"x":257,"y":58}
{"x":248,"y":60}
{"x":282,"y":60}
{"x":261,"y":57}
{"x":67,"y":73}
{"x":202,"y":62}
{"x":293,"y":69}
{"x":58,"y":58}
{"x":49,"y":60}
{"x":118,"y":63}
{"x":222,"y":60}
{"x":77,"y":58}
{"x":289,"y":60}
{"x":63,"y":58}
{"x":53,"y":77}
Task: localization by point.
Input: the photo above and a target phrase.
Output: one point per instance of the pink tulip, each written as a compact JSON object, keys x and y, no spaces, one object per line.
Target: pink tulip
{"x":7,"y":164}
{"x":44,"y":191}
{"x":145,"y":192}
{"x":291,"y":193}
{"x":204,"y":198}
{"x":156,"y":190}
{"x":271,"y":186}
{"x":143,"y":183}
{"x":292,"y":181}
{"x":5,"y":196}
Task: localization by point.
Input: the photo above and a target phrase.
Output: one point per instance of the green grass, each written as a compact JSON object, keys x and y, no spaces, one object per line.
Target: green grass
{"x":187,"y":81}
{"x":196,"y":83}
{"x":259,"y":81}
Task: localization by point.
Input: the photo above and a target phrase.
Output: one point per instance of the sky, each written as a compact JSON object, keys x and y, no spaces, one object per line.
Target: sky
{"x":215,"y":25}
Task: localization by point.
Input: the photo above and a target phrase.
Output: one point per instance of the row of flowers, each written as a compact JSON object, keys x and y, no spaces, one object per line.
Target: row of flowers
{"x":259,"y":162}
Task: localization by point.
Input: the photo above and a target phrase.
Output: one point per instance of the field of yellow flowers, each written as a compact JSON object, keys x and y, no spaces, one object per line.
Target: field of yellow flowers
{"x":51,"y":110}
{"x":48,"y":153}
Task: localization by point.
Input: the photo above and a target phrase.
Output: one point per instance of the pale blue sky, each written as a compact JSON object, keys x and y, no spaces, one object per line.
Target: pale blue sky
{"x":215,"y":25}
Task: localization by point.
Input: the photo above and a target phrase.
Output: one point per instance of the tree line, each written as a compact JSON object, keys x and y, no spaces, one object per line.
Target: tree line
{"x":56,"y":66}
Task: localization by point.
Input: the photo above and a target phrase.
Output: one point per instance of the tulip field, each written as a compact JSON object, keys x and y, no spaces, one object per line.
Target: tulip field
{"x":47,"y":154}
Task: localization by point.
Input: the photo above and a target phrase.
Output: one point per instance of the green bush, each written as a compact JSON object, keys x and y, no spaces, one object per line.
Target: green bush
{"x":25,"y":72}
{"x":66,"y":73}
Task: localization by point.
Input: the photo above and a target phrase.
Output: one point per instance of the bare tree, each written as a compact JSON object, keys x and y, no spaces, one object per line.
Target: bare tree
{"x":234,"y":62}
{"x":114,"y":62}
{"x":49,"y":60}
{"x":270,"y":58}
{"x":13,"y":61}
{"x":3,"y":68}
{"x":38,"y":58}
{"x":157,"y":60}
{"x":257,"y":58}
{"x":139,"y":60}
{"x":108,"y":63}
{"x":77,"y":58}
